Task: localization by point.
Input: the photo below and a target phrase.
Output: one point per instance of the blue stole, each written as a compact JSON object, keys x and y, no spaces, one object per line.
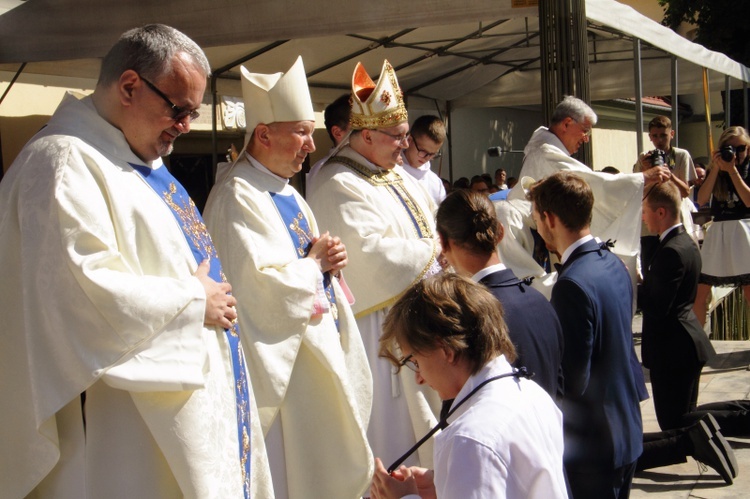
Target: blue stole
{"x":301,"y":236}
{"x":409,"y":205}
{"x":189,"y":219}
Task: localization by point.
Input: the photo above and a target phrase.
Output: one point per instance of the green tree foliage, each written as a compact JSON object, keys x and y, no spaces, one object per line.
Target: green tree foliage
{"x":722,"y":25}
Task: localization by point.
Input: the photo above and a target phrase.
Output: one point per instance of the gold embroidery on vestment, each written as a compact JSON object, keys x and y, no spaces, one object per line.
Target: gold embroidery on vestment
{"x":305,"y":237}
{"x":243,"y":387}
{"x":191,"y":223}
{"x":393,"y":180}
{"x":196,"y":230}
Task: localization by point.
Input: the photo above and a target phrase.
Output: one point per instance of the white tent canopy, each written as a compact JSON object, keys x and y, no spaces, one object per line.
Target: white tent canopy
{"x":481,"y":53}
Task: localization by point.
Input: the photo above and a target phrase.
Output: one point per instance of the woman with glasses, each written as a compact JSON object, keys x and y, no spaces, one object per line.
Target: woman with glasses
{"x":726,"y":245}
{"x":503,"y":433}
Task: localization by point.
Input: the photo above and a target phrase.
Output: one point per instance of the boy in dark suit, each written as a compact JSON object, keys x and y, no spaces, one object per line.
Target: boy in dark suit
{"x":593,"y":300}
{"x":675,"y":348}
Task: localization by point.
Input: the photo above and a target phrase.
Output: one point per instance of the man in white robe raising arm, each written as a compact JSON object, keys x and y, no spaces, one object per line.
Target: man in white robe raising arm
{"x":121,"y":373}
{"x":617,"y":206}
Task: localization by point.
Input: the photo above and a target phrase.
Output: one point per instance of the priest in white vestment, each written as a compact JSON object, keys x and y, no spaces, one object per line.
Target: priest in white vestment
{"x":383,"y":215}
{"x":121,"y":373}
{"x":617,"y":198}
{"x":305,"y":353}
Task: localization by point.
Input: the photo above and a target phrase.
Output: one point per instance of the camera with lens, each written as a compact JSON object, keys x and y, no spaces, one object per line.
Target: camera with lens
{"x":658,"y":157}
{"x":727,"y":153}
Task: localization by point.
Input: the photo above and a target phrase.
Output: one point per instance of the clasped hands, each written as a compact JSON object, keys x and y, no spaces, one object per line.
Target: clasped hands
{"x":402,"y":482}
{"x":329,"y":253}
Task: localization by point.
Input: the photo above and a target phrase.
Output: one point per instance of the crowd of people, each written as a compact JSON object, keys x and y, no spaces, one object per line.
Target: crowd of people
{"x":497,"y":189}
{"x":386,"y":335}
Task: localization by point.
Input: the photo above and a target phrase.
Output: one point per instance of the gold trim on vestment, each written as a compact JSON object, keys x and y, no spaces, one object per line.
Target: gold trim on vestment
{"x":393,"y":300}
{"x":389,"y":178}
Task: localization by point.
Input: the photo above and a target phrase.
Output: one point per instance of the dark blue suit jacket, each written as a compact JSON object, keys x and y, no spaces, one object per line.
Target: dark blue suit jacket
{"x":671,"y":332}
{"x":533,"y":328}
{"x":601,"y":412}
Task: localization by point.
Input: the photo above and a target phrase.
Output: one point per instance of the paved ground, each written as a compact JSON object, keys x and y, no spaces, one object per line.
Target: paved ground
{"x":726,"y":378}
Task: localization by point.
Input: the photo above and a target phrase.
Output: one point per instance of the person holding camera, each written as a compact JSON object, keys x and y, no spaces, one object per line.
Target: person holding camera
{"x":727,"y":188}
{"x":679,"y":161}
{"x":682,"y":171}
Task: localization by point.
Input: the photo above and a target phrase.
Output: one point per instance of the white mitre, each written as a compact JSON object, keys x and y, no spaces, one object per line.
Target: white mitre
{"x":276,"y":97}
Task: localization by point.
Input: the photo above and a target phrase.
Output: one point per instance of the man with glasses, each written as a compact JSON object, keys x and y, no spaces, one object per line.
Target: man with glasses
{"x":362,"y":195}
{"x":617,"y":208}
{"x":427,"y":137}
{"x":122,"y":371}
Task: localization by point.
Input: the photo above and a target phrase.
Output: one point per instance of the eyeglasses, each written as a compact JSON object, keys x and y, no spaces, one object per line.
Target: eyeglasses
{"x":740,"y":148}
{"x":425,"y":154}
{"x":586,"y":130}
{"x":409,"y":362}
{"x":400,"y":139}
{"x":178,"y":113}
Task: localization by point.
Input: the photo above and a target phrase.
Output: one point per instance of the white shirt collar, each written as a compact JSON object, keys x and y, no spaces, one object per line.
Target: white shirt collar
{"x":570,"y":249}
{"x":664,"y":234}
{"x":487,"y":271}
{"x":424,"y":167}
{"x":552,"y":139}
{"x":258,"y":166}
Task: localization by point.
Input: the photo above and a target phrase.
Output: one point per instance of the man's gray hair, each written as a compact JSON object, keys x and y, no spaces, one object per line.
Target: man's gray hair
{"x":575,"y":108}
{"x":149,"y":51}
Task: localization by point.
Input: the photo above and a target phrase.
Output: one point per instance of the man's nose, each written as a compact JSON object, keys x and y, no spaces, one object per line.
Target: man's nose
{"x":183,"y":125}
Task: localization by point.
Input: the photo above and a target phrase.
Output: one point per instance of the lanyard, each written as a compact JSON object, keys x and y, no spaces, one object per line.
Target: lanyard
{"x":443,"y":423}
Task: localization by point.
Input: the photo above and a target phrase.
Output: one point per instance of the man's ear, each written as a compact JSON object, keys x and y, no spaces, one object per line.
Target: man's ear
{"x":551,"y":219}
{"x":338,"y":132}
{"x":125,"y":86}
{"x":449,"y":354}
{"x":366,"y":135}
{"x":262,"y":134}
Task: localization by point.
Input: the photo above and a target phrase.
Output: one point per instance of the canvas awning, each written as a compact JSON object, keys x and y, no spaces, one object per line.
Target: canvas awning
{"x":480,"y":53}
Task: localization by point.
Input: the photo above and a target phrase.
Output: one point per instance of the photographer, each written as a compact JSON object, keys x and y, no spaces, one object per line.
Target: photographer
{"x":682,"y":171}
{"x":726,"y":187}
{"x":677,"y":160}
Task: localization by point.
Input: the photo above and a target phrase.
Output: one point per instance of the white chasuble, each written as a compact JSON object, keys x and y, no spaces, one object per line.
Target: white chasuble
{"x":310,"y":377}
{"x":99,"y":297}
{"x":386,"y":223}
{"x":617,"y":198}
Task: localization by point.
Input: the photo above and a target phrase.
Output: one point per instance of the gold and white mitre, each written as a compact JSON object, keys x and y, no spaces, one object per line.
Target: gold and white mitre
{"x":276,"y":97}
{"x":378,"y":105}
